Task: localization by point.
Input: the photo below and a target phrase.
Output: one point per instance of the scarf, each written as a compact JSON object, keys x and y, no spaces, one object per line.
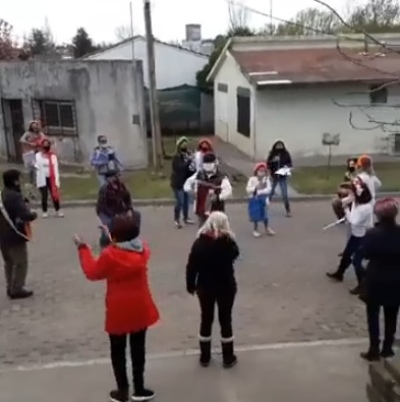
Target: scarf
{"x":53,"y":185}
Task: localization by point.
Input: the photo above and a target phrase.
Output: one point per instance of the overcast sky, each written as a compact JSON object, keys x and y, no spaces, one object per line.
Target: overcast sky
{"x":101,"y":17}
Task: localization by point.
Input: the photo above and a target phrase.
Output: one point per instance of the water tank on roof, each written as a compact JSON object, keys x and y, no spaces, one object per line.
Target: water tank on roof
{"x":193,"y":32}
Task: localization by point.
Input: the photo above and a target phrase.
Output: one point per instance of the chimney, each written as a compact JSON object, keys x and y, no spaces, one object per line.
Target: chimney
{"x":193,"y":32}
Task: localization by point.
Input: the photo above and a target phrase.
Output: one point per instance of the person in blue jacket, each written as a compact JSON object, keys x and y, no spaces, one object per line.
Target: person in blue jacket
{"x":104,"y":159}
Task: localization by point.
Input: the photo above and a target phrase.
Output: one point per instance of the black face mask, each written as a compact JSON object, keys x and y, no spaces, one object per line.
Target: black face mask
{"x":17,"y":187}
{"x":352,"y":168}
{"x":183,"y":149}
{"x":47,"y":149}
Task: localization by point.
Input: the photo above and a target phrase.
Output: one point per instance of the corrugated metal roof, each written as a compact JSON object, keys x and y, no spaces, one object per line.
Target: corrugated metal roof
{"x":302,"y":66}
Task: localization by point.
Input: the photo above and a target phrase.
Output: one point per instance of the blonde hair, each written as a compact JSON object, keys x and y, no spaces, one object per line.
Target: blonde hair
{"x":216,"y":224}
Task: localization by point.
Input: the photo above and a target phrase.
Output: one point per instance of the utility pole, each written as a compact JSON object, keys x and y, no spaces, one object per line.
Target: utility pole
{"x":154,"y":110}
{"x":271,"y":18}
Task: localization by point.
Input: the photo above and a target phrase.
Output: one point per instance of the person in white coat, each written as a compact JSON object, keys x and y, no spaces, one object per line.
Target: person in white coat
{"x":48,"y":178}
{"x":360,"y":219}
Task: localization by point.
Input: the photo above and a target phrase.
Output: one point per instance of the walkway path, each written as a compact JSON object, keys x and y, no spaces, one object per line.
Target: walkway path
{"x":321,"y":373}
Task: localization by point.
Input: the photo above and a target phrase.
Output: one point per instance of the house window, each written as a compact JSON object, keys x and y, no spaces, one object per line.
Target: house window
{"x":243,"y":111}
{"x":57,"y":116}
{"x":378,"y":94}
{"x":223,"y":87}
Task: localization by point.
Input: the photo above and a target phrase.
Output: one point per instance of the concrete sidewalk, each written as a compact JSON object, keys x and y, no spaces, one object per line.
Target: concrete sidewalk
{"x":328,"y":372}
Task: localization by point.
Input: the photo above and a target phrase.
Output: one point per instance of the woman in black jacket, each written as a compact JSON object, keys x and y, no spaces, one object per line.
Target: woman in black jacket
{"x":210,"y":274}
{"x":279,"y":157}
{"x":382,"y":278}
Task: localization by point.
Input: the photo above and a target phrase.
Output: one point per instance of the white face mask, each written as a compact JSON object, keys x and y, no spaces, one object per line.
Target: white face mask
{"x":209,"y":167}
{"x":261,"y":174}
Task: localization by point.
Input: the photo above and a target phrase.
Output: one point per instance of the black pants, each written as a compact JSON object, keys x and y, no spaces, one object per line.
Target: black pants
{"x":137,"y":343}
{"x":44,"y":192}
{"x":224,"y":300}
{"x":352,"y":254}
{"x":390,"y":322}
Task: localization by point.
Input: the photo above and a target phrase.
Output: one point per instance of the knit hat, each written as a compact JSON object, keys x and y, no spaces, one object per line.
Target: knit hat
{"x":181,"y":141}
{"x":205,"y":141}
{"x":259,"y":166}
{"x":209,"y":157}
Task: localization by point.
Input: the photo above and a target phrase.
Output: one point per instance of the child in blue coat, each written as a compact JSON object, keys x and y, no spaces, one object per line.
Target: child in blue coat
{"x":258,"y":189}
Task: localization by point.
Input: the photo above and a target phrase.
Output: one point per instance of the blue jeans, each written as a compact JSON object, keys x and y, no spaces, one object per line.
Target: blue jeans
{"x":281,"y":181}
{"x":181,"y":204}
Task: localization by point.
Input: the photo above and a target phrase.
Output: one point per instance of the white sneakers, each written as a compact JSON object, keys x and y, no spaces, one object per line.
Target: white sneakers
{"x":59,"y":214}
{"x":268,"y":232}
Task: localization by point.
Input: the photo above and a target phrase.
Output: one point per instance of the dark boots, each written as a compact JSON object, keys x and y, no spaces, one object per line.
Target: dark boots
{"x":205,"y":353}
{"x":228,"y":356}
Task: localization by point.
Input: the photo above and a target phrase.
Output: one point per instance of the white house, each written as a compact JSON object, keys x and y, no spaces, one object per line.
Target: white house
{"x":302,"y":90}
{"x":175,"y":65}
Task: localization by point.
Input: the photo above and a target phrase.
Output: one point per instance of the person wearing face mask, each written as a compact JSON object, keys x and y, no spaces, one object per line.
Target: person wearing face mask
{"x":182,"y":169}
{"x":258,"y":189}
{"x":48,"y":178}
{"x":360,"y":219}
{"x":278,"y":158}
{"x":30,"y":143}
{"x":204,"y":146}
{"x":210,"y":188}
{"x":344,"y":188}
{"x":15,"y":217}
{"x":114,"y":200}
{"x":104,"y":159}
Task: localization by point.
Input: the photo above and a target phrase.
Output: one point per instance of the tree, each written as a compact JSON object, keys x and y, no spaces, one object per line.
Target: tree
{"x":40,"y":43}
{"x":7,"y":48}
{"x":238,"y":20}
{"x":82,"y":44}
{"x":310,"y":21}
{"x":377,"y":16}
{"x":123,"y":32}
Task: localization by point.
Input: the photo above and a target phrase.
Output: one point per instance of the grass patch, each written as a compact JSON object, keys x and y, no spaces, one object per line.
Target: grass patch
{"x":314,"y":180}
{"x":77,"y":184}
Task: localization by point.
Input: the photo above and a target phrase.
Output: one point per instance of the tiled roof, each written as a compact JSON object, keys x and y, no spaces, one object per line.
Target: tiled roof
{"x":302,"y":66}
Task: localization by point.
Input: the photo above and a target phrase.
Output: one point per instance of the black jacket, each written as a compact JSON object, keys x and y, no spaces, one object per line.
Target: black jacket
{"x":279,"y":159}
{"x":181,"y":170}
{"x":210,"y":264}
{"x":381,"y":246}
{"x":19,"y":213}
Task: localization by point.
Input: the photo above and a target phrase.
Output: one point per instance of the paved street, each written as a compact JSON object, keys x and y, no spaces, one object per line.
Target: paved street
{"x":283,"y":292}
{"x":296,"y":374}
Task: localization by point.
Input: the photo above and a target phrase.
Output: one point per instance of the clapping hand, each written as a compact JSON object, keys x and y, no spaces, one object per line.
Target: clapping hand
{"x":78,"y":241}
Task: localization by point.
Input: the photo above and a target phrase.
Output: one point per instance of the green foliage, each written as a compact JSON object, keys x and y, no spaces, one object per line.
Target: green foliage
{"x":376,"y":16}
{"x":6,"y":44}
{"x":40,"y":43}
{"x":82,"y":44}
{"x":219,"y":44}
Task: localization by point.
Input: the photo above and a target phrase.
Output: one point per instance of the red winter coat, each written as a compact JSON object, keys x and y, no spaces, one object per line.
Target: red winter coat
{"x":129,"y":304}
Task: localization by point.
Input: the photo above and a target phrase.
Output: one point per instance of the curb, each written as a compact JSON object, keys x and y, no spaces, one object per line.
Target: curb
{"x":161,"y":202}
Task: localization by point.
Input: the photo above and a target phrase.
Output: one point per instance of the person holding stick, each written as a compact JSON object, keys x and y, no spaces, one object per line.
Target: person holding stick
{"x":210,"y":187}
{"x":359,"y":218}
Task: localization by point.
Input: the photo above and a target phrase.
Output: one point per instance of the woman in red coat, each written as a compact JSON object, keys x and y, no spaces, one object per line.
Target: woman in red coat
{"x":130,"y":308}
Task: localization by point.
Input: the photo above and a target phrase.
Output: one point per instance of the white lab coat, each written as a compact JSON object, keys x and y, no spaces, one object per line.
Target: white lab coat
{"x":43,"y":169}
